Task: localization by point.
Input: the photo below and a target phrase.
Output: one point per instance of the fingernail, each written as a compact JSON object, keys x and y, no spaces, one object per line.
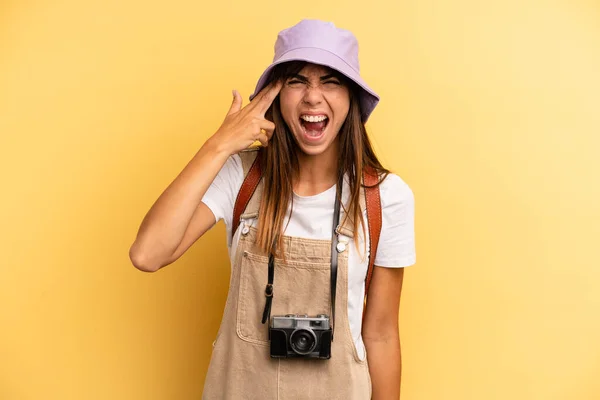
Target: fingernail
{"x":233,"y":92}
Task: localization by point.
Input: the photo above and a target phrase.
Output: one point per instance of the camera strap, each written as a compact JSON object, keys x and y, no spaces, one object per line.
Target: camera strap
{"x":334,"y":264}
{"x":269,"y":291}
{"x":334,"y":251}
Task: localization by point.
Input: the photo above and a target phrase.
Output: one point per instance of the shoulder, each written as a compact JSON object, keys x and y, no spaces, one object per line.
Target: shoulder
{"x":234,"y":162}
{"x":397,"y":239}
{"x":230,"y":177}
{"x":394,"y":190}
{"x":233,"y":168}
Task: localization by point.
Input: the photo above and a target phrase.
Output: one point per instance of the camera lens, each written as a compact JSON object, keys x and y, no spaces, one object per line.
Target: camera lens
{"x":303,"y":341}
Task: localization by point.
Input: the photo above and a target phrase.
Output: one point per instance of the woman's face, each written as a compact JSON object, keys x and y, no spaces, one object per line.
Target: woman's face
{"x":314,"y":104}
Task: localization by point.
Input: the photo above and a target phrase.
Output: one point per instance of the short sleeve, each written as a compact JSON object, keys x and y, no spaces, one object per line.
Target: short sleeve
{"x":221,"y":194}
{"x":397,"y":239}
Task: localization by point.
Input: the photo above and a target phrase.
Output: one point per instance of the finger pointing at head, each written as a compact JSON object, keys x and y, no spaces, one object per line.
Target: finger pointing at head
{"x":269,"y":95}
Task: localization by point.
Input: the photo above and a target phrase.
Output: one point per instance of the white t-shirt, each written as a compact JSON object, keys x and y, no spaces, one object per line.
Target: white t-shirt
{"x":312,"y":218}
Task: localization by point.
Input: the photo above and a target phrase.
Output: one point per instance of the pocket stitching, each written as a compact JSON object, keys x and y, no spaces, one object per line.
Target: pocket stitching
{"x":288,"y":263}
{"x":242,"y":309}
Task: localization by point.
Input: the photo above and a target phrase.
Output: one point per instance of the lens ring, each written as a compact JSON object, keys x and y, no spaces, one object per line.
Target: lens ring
{"x":303,"y":341}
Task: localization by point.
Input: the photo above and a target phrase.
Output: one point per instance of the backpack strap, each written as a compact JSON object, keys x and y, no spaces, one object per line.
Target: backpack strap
{"x":373,"y":200}
{"x":253,"y":175}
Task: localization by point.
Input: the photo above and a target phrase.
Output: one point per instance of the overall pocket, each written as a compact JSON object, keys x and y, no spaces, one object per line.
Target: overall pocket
{"x":298,"y":288}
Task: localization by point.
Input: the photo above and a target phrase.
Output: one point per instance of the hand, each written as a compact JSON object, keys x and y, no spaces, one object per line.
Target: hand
{"x":243,"y":126}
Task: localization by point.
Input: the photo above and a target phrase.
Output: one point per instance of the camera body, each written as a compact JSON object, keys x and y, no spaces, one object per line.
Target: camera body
{"x":296,"y":335}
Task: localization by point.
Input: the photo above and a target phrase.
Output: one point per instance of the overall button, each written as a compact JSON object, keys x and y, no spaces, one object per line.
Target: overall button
{"x":340,"y":247}
{"x":245,"y":230}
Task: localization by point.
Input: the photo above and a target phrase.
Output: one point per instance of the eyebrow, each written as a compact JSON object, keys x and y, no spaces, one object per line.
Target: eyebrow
{"x":305,"y":79}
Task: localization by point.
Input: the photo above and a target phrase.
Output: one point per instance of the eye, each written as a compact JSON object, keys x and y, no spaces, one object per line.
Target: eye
{"x":295,"y":82}
{"x":332,"y":82}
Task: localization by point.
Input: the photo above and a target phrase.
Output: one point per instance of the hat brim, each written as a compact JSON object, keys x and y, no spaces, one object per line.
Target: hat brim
{"x":368,"y":98}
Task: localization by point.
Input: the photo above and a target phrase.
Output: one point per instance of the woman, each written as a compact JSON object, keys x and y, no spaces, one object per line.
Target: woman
{"x":308,"y":113}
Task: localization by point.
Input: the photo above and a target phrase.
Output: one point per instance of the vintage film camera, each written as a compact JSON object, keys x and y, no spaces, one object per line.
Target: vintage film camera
{"x":295,"y":335}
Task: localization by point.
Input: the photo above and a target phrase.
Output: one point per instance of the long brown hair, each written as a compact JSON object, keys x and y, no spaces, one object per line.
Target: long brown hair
{"x":280,"y":164}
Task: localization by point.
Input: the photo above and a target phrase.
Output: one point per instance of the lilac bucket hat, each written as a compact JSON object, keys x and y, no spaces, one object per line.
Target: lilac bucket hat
{"x":321,"y":43}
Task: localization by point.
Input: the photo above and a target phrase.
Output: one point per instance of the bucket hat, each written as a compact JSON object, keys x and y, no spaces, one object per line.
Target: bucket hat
{"x":321,"y":42}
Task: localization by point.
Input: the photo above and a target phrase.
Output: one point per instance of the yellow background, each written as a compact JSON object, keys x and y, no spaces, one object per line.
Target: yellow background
{"x":490,"y":111}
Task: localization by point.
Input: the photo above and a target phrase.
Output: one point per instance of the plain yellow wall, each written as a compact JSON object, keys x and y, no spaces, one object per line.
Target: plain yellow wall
{"x":490,"y":111}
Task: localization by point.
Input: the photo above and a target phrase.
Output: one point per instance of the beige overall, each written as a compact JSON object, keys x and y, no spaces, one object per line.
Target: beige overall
{"x":240,"y":366}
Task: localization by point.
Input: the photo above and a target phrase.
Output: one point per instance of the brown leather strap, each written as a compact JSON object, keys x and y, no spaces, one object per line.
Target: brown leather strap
{"x":246,"y":191}
{"x":373,"y":202}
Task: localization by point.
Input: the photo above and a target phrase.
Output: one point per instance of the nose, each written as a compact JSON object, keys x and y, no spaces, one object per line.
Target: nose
{"x":313,"y":95}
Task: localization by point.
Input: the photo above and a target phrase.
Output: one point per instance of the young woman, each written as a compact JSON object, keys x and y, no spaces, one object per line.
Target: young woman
{"x":300,"y":245}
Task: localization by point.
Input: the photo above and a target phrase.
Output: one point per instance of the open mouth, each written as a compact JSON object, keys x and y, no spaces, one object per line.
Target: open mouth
{"x":314,"y":125}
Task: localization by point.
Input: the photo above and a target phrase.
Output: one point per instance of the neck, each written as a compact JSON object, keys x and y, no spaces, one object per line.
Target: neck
{"x":316,"y":173}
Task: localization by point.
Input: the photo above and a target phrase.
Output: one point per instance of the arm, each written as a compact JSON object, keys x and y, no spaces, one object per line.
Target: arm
{"x":380,"y":332}
{"x":178,"y":217}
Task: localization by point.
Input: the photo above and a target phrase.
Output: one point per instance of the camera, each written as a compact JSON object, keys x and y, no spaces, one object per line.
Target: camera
{"x":296,"y":335}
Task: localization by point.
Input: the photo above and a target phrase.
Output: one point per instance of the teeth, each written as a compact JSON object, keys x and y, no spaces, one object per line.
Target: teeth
{"x":313,"y":118}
